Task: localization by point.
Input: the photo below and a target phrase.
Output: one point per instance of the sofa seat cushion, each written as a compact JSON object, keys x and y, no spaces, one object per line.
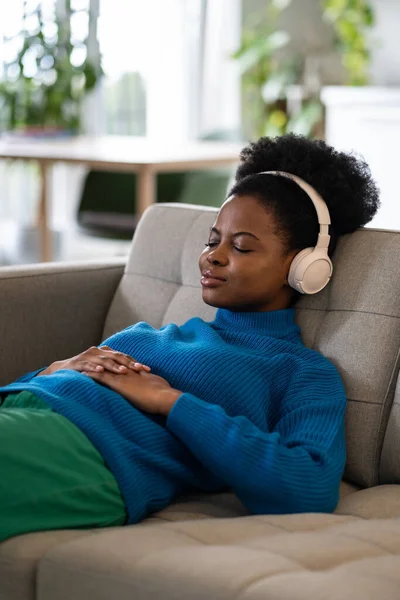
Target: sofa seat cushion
{"x":289,"y":557}
{"x":379,"y":502}
{"x":19,"y":558}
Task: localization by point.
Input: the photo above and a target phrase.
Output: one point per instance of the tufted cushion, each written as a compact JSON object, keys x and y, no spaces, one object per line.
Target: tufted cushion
{"x":354,"y":321}
{"x":285,"y":557}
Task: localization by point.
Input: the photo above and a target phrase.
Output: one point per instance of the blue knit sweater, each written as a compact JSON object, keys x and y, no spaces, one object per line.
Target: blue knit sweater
{"x":260,"y":414}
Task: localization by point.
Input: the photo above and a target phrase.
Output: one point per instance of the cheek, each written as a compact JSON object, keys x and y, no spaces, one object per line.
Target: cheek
{"x":267,"y":275}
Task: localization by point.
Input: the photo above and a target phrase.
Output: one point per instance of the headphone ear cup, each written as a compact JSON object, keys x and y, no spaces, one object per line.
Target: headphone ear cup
{"x":310,"y":271}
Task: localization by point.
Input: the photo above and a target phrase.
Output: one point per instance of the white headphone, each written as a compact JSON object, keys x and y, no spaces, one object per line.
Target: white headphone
{"x":311,"y":269}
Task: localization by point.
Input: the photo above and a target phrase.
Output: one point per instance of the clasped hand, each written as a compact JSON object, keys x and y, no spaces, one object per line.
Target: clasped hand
{"x":144,"y":390}
{"x":124,"y":375}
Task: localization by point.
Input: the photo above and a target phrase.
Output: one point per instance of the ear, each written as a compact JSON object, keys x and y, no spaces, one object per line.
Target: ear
{"x":287,"y":262}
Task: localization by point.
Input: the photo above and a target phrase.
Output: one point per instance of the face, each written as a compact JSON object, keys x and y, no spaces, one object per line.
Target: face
{"x":245,"y":264}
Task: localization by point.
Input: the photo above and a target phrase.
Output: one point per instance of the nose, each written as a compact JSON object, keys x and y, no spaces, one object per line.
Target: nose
{"x":216,"y":257}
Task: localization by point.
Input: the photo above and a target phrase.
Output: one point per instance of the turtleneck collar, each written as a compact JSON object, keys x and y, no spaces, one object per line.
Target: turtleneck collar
{"x":274,"y":323}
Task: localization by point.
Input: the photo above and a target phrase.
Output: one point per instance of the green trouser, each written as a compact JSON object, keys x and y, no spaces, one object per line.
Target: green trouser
{"x":51,"y":476}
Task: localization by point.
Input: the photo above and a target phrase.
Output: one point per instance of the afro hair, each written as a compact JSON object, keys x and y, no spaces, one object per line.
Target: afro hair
{"x":343,"y":180}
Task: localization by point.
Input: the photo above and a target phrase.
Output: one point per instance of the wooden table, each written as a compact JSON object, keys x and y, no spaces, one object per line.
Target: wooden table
{"x":115,"y":153}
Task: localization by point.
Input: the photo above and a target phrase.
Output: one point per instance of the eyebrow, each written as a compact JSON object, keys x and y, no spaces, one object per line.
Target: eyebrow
{"x":235,"y":235}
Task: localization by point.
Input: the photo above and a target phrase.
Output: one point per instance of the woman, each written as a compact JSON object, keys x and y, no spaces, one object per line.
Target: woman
{"x":119,"y":431}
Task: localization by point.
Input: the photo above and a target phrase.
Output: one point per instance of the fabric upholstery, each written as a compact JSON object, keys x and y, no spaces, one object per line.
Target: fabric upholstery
{"x":52,"y":311}
{"x":354,"y":321}
{"x":291,"y":557}
{"x":390,"y":462}
{"x":20,"y":556}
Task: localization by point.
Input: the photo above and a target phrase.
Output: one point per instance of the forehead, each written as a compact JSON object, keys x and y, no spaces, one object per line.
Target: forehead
{"x":245,"y":213}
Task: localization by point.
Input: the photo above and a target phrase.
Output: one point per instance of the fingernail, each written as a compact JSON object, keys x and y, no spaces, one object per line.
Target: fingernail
{"x":122,"y":368}
{"x":99,"y":368}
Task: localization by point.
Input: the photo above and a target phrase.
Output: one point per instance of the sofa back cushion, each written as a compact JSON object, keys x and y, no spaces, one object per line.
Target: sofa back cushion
{"x":390,"y":459}
{"x":354,"y":321}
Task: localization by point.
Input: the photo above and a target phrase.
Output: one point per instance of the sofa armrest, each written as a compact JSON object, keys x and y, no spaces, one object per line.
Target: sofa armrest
{"x":52,"y":311}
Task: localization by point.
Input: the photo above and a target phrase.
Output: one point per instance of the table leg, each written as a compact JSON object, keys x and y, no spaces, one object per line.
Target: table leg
{"x":44,"y":231}
{"x":145,"y":189}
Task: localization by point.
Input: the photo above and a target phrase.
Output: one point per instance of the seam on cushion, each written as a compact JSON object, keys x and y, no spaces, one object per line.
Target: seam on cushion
{"x":189,"y":536}
{"x":197,"y":287}
{"x":385,"y":413}
{"x":244,"y":588}
{"x":366,"y":312}
{"x":332,"y":570}
{"x":311,"y":569}
{"x":364,"y":401}
{"x":291,"y":531}
{"x":379,"y":436}
{"x":72,"y":271}
{"x":374,"y":544}
{"x":277,"y":526}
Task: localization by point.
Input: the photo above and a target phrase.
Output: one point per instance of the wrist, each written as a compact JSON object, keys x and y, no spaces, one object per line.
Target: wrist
{"x":50,"y":369}
{"x":168,"y":398}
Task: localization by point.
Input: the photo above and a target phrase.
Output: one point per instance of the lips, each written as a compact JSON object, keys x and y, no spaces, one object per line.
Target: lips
{"x":212,"y":275}
{"x":211,"y":279}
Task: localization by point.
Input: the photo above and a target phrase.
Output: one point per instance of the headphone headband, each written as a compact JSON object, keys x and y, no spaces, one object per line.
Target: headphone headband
{"x":319,"y":203}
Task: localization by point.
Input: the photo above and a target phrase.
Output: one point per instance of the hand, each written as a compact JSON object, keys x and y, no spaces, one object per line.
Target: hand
{"x":146,"y":391}
{"x":97,"y":360}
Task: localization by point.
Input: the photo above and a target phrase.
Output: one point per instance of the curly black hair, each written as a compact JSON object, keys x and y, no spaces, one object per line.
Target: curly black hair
{"x":343,"y":180}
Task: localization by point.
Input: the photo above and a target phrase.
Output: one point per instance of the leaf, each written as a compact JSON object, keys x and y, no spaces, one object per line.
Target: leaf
{"x":303,"y":122}
{"x":261,"y":48}
{"x":277,"y":83}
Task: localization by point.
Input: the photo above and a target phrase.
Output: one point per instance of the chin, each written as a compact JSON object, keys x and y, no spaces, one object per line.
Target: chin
{"x":218,"y":302}
{"x":207,"y":299}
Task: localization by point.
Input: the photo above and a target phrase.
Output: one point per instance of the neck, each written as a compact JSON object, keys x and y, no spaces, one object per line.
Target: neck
{"x":274,"y":323}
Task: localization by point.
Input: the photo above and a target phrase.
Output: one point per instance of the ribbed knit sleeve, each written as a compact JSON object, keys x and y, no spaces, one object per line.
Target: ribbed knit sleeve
{"x":297,"y":467}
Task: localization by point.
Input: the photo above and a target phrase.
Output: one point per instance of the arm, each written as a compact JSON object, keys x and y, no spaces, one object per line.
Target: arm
{"x":295,"y":468}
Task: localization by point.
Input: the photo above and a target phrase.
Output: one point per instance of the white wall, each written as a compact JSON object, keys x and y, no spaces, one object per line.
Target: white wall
{"x":385,"y":67}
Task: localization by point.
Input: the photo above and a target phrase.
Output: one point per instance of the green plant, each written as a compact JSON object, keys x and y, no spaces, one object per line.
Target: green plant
{"x":267,"y":75}
{"x":48,"y":75}
{"x":351,"y":20}
{"x":271,"y":76}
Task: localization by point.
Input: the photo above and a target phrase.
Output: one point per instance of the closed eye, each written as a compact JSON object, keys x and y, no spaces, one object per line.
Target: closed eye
{"x":213,"y":244}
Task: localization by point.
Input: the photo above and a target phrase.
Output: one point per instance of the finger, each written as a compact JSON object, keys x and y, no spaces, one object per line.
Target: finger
{"x":140,"y":367}
{"x":125,"y":360}
{"x":90,"y":366}
{"x":109,"y":364}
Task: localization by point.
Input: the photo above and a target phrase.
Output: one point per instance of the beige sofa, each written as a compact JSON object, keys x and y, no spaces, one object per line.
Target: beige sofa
{"x":208,"y":547}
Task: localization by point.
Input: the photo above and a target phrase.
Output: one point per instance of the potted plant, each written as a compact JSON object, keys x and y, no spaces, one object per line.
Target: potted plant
{"x":47,"y":72}
{"x":280,"y":90}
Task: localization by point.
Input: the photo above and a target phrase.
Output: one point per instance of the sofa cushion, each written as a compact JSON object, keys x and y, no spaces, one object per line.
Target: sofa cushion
{"x":291,"y":557}
{"x":390,"y":460}
{"x":354,"y":321}
{"x":19,"y":558}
